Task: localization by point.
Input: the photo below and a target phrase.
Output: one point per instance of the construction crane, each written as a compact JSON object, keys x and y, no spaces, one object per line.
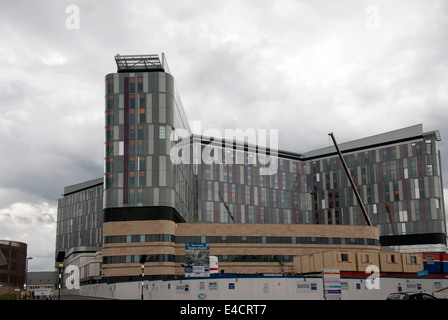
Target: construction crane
{"x":355,"y":190}
{"x":390,"y":219}
{"x":227,"y":207}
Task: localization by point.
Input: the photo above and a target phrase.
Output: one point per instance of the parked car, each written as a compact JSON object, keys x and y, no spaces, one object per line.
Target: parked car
{"x":411,"y":296}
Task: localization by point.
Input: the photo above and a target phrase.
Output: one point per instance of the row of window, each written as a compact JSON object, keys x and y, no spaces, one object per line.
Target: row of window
{"x":244,"y":180}
{"x":181,"y":259}
{"x":238,"y":239}
{"x":383,"y":160}
{"x":139,"y":238}
{"x":344,"y":257}
{"x":154,"y":82}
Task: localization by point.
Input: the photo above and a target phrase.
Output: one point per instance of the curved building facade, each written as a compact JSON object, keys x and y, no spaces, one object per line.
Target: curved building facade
{"x":240,"y":248}
{"x":142,"y":111}
{"x":141,"y":183}
{"x":12,"y":273}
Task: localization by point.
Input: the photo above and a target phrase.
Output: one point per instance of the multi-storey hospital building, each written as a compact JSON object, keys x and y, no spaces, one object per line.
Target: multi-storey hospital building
{"x":254,"y":206}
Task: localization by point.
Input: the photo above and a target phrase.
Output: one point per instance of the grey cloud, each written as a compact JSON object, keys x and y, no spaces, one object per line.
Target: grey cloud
{"x":45,"y":218}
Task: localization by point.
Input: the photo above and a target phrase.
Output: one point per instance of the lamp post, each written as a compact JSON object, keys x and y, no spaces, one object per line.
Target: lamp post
{"x":142,"y":262}
{"x":143,"y":275}
{"x":26,"y":274}
{"x":60,"y":280}
{"x":26,"y":270}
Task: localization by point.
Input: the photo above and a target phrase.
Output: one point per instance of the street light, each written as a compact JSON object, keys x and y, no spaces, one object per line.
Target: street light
{"x":142,"y":262}
{"x":143,"y":275}
{"x":60,"y":280}
{"x":26,"y":273}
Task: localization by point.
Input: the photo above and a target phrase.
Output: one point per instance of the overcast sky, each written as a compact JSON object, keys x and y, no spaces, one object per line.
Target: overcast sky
{"x":306,"y":68}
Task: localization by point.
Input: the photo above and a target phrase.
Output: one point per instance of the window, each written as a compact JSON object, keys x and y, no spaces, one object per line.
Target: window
{"x":392,"y":258}
{"x":110,"y":102}
{"x":109,"y":164}
{"x":428,"y":146}
{"x":109,"y":180}
{"x":162,"y":132}
{"x":142,"y":115}
{"x":416,"y":189}
{"x":132,"y":84}
{"x":209,"y":191}
{"x":121,"y":148}
{"x":140,"y":132}
{"x":141,"y":163}
{"x":413,"y":259}
{"x":110,"y":85}
{"x":403,"y":215}
{"x":140,"y":147}
{"x":131,"y":179}
{"x":140,"y":196}
{"x":140,"y":84}
{"x":406,"y":173}
{"x":344,"y":257}
{"x":109,"y":118}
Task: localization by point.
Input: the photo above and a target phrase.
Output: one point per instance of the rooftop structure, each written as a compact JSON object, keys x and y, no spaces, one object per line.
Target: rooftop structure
{"x":140,"y":63}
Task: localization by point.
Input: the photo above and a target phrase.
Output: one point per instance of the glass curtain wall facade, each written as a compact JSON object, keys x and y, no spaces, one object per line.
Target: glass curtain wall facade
{"x":400,"y":185}
{"x":80,"y":216}
{"x":399,"y":180}
{"x":142,"y":111}
{"x":238,"y":193}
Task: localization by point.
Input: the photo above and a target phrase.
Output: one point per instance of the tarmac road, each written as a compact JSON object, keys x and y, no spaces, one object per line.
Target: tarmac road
{"x":77,"y":297}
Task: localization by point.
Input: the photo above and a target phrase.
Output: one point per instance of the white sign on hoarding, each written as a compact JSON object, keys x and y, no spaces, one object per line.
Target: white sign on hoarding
{"x":332,"y":284}
{"x":304,"y":286}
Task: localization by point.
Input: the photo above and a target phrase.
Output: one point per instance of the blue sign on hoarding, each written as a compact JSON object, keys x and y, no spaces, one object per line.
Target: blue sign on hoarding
{"x":197,"y":246}
{"x":197,"y":260}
